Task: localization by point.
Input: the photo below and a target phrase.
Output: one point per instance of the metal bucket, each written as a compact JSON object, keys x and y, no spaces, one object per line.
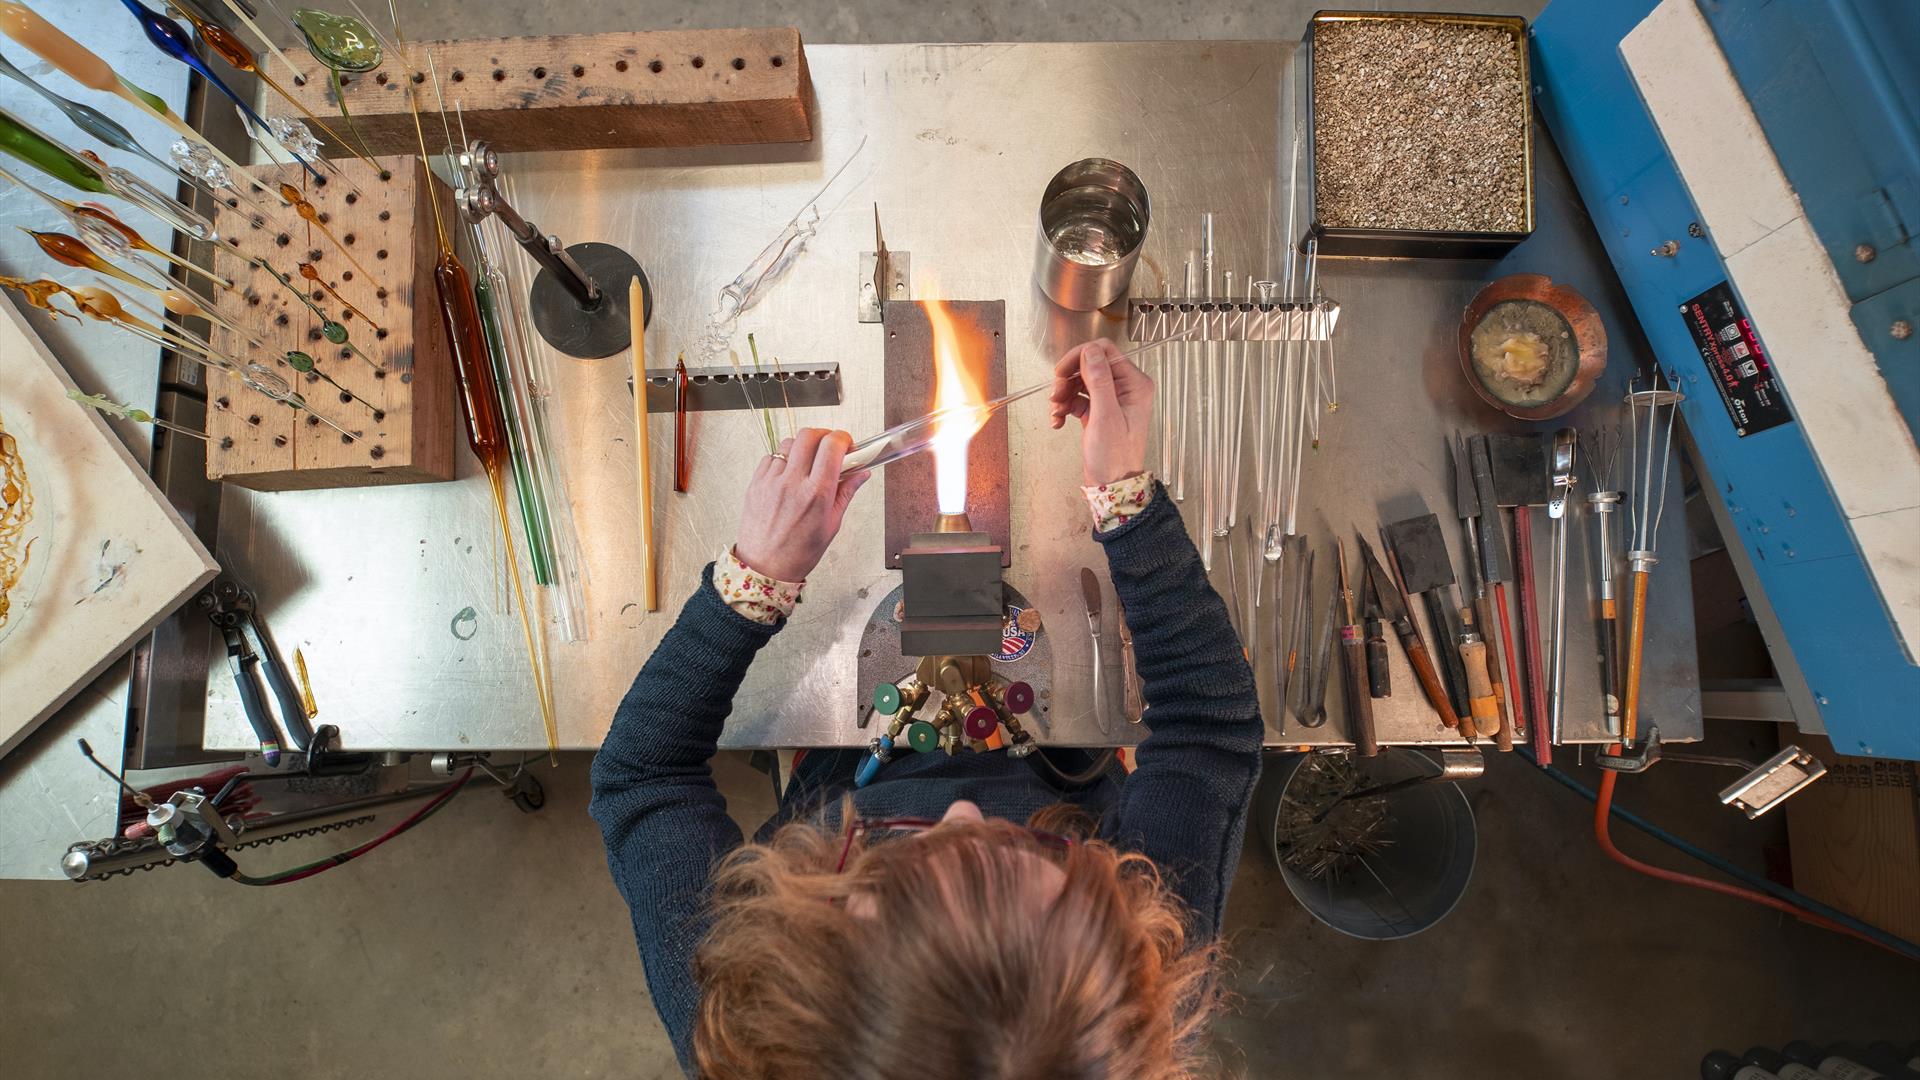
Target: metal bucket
{"x":1093,"y":223}
{"x":1405,"y":888}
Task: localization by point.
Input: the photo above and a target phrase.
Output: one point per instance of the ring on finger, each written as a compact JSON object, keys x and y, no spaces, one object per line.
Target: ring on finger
{"x":778,"y":454}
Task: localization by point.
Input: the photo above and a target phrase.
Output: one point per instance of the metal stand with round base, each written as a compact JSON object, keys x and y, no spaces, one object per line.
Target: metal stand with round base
{"x":599,"y":331}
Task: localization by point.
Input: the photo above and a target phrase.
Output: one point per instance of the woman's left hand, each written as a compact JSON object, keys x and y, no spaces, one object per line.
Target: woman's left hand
{"x":794,"y":507}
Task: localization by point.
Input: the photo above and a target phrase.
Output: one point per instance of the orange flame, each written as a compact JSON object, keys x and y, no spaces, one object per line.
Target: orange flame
{"x":960,"y":350}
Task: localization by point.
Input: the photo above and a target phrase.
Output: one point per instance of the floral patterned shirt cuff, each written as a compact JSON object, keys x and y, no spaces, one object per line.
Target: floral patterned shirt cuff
{"x":751,"y":593}
{"x":1115,"y":504}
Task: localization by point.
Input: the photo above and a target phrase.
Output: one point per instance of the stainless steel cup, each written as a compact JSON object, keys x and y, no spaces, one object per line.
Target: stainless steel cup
{"x":1093,"y":223}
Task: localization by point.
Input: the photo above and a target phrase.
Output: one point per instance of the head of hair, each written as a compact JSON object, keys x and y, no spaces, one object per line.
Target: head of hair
{"x":948,"y":955}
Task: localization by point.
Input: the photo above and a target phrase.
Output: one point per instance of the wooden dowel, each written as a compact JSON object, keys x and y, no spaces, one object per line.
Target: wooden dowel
{"x":642,"y":439}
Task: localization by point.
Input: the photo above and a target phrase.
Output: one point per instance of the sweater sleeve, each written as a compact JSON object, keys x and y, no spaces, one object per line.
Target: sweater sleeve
{"x":664,"y":823}
{"x":1185,"y":805}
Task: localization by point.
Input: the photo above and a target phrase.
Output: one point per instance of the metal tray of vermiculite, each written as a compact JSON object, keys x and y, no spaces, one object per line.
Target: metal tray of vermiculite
{"x":1411,"y":243}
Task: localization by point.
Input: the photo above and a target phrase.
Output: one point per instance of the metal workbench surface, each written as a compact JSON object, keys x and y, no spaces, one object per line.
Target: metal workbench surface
{"x":959,"y":142}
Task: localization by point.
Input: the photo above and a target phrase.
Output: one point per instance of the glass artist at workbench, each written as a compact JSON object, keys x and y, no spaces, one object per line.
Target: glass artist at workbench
{"x":959,"y":916}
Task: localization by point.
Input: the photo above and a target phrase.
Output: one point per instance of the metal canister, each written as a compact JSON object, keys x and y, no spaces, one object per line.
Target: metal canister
{"x":1093,"y":223}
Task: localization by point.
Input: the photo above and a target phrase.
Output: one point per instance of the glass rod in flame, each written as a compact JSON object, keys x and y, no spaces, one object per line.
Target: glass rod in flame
{"x":959,"y":367}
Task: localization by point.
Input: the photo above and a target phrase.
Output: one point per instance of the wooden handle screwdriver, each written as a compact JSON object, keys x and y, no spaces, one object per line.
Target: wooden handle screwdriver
{"x":1481,"y":702}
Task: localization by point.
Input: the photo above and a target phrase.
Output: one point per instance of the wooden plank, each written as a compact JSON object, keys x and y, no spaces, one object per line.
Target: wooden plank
{"x":584,"y":92}
{"x":91,"y":554}
{"x":1855,"y":837}
{"x":406,"y":427}
{"x":911,"y":502}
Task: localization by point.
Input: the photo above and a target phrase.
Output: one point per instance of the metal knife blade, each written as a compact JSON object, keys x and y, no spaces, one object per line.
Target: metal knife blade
{"x":1466,"y":500}
{"x":1090,"y":592}
{"x":1383,"y":595}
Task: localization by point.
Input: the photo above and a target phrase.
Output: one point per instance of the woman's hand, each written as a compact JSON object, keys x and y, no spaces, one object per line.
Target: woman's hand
{"x":794,"y":506}
{"x":1114,"y":401}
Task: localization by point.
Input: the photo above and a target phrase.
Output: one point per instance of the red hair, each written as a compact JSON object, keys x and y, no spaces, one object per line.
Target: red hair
{"x":955,"y":960}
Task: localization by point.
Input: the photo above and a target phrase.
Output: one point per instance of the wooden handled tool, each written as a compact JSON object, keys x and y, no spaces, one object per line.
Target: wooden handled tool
{"x":1535,"y":674}
{"x":1522,"y":481}
{"x":1379,"y":667}
{"x":1417,"y":550}
{"x":642,"y":440}
{"x":1636,"y":642}
{"x":1416,"y":650}
{"x":1353,"y":654}
{"x":1482,"y":702}
{"x":1495,"y":570}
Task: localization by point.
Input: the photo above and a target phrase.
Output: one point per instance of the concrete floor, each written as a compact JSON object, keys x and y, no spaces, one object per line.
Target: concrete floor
{"x":491,"y":942}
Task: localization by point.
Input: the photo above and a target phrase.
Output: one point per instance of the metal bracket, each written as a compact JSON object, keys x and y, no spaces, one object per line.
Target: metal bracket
{"x":898,"y":282}
{"x":1632,"y":759}
{"x":716,"y":389}
{"x":1773,"y":781}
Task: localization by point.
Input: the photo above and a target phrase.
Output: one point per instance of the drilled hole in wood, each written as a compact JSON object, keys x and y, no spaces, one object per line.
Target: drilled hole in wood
{"x":539,"y":73}
{"x":380,"y":293}
{"x":233,"y":204}
{"x":381,"y":254}
{"x":319,"y":181}
{"x":346,"y":80}
{"x":419,"y":77}
{"x":458,"y":75}
{"x":619,"y":65}
{"x":283,"y":239}
{"x":280,"y":319}
{"x":318,"y":296}
{"x":226,"y":442}
{"x":386,"y":215}
{"x":699,"y":62}
{"x":380,"y":334}
{"x":739,"y":64}
{"x":376,"y":453}
{"x":346,"y":398}
{"x":254,"y":420}
{"x":313,"y":335}
{"x":381,"y":78}
{"x":348,"y":238}
{"x":222,"y":401}
{"x":346,"y":275}
{"x":346,"y":440}
{"x":352,"y":198}
{"x":299,"y":80}
{"x":656,"y":67}
{"x":325,"y":218}
{"x":279,"y":440}
{"x":379,"y":415}
{"x":346,"y":354}
{"x":499,"y":75}
{"x":313,"y":421}
{"x":253,"y":301}
{"x":579,"y":72}
{"x":776,"y":61}
{"x":379,"y":373}
{"x":313,"y":255}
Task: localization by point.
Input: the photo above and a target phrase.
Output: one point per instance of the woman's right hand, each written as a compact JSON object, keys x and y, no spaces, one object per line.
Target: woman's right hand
{"x":1114,"y":401}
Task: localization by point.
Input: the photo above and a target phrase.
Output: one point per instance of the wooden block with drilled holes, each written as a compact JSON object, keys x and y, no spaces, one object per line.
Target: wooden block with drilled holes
{"x":405,"y":428}
{"x":585,"y":92}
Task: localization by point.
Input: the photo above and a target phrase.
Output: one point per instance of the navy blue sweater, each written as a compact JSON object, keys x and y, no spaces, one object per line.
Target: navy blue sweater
{"x":1184,"y":806}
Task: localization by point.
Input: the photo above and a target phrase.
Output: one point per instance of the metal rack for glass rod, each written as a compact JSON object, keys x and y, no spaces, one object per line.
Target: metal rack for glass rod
{"x":1151,"y":319}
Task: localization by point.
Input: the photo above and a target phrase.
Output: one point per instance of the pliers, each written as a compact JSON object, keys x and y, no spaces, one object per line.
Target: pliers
{"x":229,"y":605}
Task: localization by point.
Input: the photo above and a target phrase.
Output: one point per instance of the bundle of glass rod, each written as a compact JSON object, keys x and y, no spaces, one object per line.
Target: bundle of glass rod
{"x":525,"y":377}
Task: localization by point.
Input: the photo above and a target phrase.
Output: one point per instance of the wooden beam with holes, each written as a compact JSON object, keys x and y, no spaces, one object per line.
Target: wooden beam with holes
{"x":653,"y":88}
{"x":404,"y":430}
